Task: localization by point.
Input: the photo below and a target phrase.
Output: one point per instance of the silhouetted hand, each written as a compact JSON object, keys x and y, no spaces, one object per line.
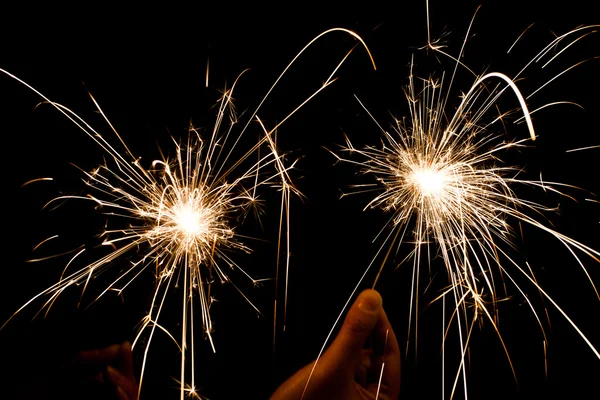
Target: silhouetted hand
{"x":351,"y":368}
{"x":104,"y":373}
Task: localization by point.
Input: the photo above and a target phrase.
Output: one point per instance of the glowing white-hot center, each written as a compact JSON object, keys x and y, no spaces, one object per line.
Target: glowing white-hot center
{"x":428,"y":181}
{"x":191,"y":220}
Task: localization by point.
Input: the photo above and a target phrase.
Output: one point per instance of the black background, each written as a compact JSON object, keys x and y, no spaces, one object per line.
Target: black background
{"x":147,"y":70}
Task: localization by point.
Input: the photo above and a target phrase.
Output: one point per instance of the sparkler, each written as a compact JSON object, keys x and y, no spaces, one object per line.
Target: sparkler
{"x":179,"y":216}
{"x":440,"y":174}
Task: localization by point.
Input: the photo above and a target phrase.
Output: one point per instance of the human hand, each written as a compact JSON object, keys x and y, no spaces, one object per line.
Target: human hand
{"x":106,"y":373}
{"x":351,"y":368}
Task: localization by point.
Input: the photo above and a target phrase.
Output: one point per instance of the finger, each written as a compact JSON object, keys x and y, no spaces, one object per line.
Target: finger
{"x":386,"y":338}
{"x":385,"y":374}
{"x":124,"y":361}
{"x":97,"y":356}
{"x":123,"y":384}
{"x":358,"y":325}
{"x":121,"y":394}
{"x":363,"y":367}
{"x":93,"y":379}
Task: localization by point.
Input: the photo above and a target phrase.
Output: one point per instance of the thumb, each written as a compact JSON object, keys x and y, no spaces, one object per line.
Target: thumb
{"x":358,"y":326}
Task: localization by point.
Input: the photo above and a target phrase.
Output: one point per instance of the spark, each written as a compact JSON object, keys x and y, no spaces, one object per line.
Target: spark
{"x":180,"y":216}
{"x":441,"y":174}
{"x":583,"y":148}
{"x":36,"y":180}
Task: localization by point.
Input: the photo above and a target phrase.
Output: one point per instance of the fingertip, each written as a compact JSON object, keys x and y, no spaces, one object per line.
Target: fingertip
{"x":115,"y":376}
{"x":359,"y":322}
{"x":370,"y":301}
{"x":121,"y":393}
{"x":126,"y":347}
{"x":96,"y":356}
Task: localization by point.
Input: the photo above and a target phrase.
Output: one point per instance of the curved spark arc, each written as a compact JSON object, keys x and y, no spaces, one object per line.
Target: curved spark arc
{"x":445,"y":176}
{"x":182,"y":212}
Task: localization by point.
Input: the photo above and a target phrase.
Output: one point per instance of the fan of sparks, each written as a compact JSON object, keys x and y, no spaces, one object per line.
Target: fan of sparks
{"x":179,"y":215}
{"x":441,"y":176}
{"x":178,"y":218}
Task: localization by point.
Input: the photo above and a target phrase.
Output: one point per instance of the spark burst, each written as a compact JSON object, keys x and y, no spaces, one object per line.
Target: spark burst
{"x":440,"y":174}
{"x":179,"y":217}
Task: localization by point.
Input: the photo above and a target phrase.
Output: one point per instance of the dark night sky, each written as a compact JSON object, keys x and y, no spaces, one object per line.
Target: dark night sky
{"x":147,"y":71}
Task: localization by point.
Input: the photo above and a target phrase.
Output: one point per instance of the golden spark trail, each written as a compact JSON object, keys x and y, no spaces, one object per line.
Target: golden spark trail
{"x":440,"y":173}
{"x":179,"y":216}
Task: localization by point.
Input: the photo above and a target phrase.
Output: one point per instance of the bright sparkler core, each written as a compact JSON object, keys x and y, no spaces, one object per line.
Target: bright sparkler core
{"x":192,"y":221}
{"x":428,"y":181}
{"x":188,"y":217}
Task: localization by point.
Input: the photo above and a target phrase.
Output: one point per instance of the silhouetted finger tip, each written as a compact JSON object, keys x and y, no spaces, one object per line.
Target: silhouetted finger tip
{"x":121,"y":394}
{"x":96,"y":356}
{"x":369,"y":301}
{"x":114,"y":375}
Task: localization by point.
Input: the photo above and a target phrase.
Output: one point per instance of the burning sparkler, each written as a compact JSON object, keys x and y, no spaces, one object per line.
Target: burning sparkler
{"x":440,"y":174}
{"x":179,"y":216}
